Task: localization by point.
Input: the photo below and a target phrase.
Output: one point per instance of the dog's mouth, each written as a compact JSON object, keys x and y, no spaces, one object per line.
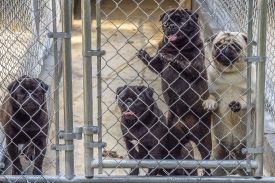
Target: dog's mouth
{"x":129,"y":115}
{"x":30,"y":106}
{"x":172,"y":37}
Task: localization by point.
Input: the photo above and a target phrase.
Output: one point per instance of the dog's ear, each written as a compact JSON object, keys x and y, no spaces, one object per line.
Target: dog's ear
{"x":162,"y":15}
{"x":42,"y":84}
{"x":120,"y":89}
{"x":193,"y":15}
{"x":12,"y":86}
{"x":254,"y":43}
{"x":211,"y":38}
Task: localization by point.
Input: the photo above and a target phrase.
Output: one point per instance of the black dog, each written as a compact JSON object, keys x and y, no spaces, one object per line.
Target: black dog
{"x":180,"y":62}
{"x":25,"y":120}
{"x":144,"y":122}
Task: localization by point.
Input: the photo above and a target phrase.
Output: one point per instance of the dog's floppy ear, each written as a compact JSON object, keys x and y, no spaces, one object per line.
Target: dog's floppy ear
{"x":12,"y":86}
{"x":42,"y":84}
{"x":193,"y":15}
{"x":254,"y":43}
{"x":161,"y":16}
{"x":120,"y":89}
{"x":211,"y":38}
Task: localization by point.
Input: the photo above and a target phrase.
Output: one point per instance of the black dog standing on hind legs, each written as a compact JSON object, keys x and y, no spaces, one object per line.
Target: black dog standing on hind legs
{"x":180,"y":62}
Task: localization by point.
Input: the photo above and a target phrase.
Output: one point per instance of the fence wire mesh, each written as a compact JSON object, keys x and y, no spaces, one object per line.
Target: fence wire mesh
{"x":26,"y":54}
{"x":154,"y":104}
{"x":133,"y":26}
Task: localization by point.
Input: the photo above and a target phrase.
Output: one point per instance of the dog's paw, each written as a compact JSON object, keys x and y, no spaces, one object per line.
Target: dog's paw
{"x":143,"y":55}
{"x":235,"y":106}
{"x":166,"y":57}
{"x":210,"y":105}
{"x":17,"y":171}
{"x":37,"y":171}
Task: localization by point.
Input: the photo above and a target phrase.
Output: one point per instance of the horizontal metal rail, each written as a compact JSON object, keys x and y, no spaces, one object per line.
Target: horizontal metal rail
{"x":172,"y":164}
{"x":132,"y":179}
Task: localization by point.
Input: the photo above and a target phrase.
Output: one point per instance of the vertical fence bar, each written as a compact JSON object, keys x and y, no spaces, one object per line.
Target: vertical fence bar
{"x":87,"y":83}
{"x":259,"y":139}
{"x":248,"y":101}
{"x":67,"y":70}
{"x":56,"y":87}
{"x":36,"y":16}
{"x":98,"y":29}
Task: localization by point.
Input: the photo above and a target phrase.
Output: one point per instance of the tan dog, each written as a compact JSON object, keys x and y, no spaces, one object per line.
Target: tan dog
{"x":227,"y":100}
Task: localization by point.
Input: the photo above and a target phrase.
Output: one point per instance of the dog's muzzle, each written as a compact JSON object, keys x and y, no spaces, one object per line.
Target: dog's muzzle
{"x":226,"y":55}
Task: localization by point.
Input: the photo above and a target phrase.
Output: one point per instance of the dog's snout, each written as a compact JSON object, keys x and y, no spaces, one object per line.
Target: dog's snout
{"x":129,"y":101}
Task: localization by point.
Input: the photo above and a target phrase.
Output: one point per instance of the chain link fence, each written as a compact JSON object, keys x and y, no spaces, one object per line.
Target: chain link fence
{"x":24,"y":44}
{"x":126,"y":29}
{"x":155,"y":99}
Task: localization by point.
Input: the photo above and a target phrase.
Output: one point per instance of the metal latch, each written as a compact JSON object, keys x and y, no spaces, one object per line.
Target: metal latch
{"x":59,"y":35}
{"x":254,"y":59}
{"x":253,"y":150}
{"x":62,"y":147}
{"x":92,"y":145}
{"x":93,"y":53}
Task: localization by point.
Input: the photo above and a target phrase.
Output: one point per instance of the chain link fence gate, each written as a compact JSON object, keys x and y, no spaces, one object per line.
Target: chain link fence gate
{"x":121,"y":31}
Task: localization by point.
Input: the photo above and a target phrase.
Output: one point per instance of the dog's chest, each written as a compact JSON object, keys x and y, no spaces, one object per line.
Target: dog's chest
{"x":229,"y":86}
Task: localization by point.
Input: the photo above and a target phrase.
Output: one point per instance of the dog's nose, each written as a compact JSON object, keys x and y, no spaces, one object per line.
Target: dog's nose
{"x":129,"y":101}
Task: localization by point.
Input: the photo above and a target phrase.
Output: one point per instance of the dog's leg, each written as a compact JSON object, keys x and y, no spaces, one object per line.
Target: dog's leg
{"x":202,"y":137}
{"x":187,"y":153}
{"x":28,"y":151}
{"x":133,"y":154}
{"x":14,"y":156}
{"x":40,"y":151}
{"x":155,"y":153}
{"x":153,"y":63}
{"x":219,"y":153}
{"x":175,"y":135}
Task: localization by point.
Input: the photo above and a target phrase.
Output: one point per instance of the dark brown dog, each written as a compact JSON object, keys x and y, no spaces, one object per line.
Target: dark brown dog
{"x":180,"y":62}
{"x":25,"y":121}
{"x":142,"y":124}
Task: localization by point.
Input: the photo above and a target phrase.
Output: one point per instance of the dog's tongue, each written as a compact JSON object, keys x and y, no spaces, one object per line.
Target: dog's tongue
{"x":172,"y":37}
{"x":128,"y":113}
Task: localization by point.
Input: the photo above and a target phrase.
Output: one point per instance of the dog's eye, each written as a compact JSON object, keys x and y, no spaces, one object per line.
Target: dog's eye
{"x":165,"y":23}
{"x":217,"y":44}
{"x":183,"y":23}
{"x":237,"y":46}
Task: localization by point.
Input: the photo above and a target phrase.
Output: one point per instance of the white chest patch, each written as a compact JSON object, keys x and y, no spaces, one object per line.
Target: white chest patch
{"x":135,"y":143}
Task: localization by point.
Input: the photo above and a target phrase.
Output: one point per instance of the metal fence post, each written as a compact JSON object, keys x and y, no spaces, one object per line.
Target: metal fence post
{"x":99,"y":85}
{"x":249,"y":107}
{"x":259,"y":127}
{"x":67,"y":69}
{"x":56,"y":87}
{"x":87,"y":83}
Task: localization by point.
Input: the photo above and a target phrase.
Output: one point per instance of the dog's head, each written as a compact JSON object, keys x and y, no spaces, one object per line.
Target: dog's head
{"x":179,"y":24}
{"x":27,"y":94}
{"x":135,"y":101}
{"x":228,"y":49}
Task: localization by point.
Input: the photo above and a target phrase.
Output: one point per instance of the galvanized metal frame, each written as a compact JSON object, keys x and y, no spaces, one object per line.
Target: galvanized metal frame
{"x":260,"y":88}
{"x":90,"y":163}
{"x":87,"y":83}
{"x":67,"y":94}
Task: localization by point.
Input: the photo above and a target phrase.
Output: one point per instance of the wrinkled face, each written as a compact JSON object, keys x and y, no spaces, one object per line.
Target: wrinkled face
{"x":134,"y":102}
{"x":229,"y":48}
{"x":178,"y":24}
{"x":28,"y":95}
